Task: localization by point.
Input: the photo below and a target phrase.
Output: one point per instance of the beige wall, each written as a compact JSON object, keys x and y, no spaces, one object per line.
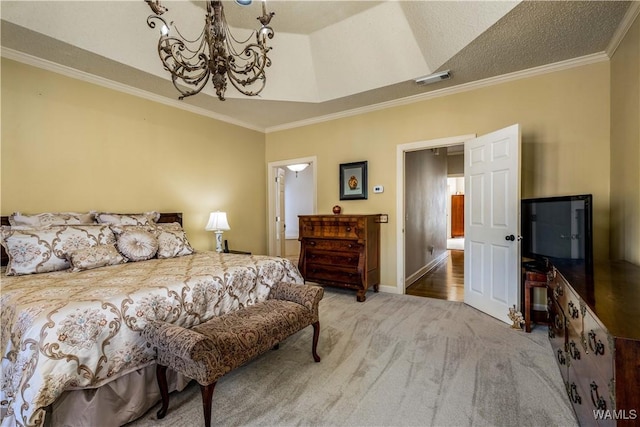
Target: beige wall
{"x":425,"y":211}
{"x":565,"y":143}
{"x":625,"y":148}
{"x":70,"y":145}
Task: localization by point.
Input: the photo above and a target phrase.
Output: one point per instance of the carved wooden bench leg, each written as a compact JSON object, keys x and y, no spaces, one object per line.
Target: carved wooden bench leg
{"x":161,"y":375}
{"x":207,"y":396}
{"x":316,"y":335}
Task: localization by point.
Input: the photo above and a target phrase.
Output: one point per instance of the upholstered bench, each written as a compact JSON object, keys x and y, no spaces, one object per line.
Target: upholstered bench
{"x":211,"y":349}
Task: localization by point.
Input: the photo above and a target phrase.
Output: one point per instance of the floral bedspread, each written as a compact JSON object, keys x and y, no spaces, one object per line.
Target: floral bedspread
{"x":73,"y":330}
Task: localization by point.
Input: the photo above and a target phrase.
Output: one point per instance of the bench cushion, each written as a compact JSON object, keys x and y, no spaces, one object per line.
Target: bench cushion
{"x":209,"y":350}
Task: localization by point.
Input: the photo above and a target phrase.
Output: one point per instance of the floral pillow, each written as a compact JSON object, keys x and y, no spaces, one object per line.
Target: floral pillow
{"x":172,"y":241}
{"x":52,"y":218}
{"x":137,"y":244}
{"x":147,"y":218}
{"x":94,"y":257}
{"x":41,"y":250}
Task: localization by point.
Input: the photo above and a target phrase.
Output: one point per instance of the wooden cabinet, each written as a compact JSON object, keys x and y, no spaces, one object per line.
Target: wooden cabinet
{"x":596,"y":345}
{"x":457,"y":215}
{"x":341,"y":250}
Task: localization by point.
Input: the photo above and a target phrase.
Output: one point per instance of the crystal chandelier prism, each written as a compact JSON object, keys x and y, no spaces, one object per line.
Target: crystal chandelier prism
{"x":215,"y":55}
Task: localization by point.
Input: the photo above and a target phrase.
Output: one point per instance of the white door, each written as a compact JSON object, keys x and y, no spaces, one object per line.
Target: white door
{"x":492,"y":222}
{"x":280,"y":224}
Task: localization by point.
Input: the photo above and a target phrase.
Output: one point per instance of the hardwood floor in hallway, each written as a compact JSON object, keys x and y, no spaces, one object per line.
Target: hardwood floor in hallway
{"x":445,"y":281}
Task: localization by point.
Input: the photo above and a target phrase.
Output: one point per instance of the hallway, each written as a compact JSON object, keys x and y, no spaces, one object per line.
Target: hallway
{"x":445,"y":281}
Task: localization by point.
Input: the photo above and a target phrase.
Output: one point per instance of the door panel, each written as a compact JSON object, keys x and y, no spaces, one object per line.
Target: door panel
{"x":492,"y":249}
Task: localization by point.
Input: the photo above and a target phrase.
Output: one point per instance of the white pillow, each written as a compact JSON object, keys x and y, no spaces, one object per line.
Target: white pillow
{"x":137,"y":245}
{"x":40,"y":250}
{"x":52,"y":218}
{"x":146,"y":218}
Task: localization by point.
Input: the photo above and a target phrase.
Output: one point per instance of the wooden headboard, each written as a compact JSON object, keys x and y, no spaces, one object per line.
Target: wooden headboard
{"x":164,"y":218}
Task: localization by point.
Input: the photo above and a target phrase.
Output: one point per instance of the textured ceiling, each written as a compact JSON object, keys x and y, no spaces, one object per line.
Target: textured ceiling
{"x":329,"y":57}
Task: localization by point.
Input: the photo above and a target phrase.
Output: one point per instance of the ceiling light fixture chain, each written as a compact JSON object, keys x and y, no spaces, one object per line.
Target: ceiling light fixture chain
{"x":215,"y":55}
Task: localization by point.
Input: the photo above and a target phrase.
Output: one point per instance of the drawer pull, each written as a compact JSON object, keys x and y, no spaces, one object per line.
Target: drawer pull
{"x":312,"y":243}
{"x":561,"y":359}
{"x":573,"y":394}
{"x":350,"y":246}
{"x":558,"y":292}
{"x":573,"y":310}
{"x":558,"y":322}
{"x":597,"y":400}
{"x":348,"y":228}
{"x":573,"y":351}
{"x":595,"y":345}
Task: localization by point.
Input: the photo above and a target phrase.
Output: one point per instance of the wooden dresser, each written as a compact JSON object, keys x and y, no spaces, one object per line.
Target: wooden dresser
{"x":341,"y":250}
{"x":595,"y":335}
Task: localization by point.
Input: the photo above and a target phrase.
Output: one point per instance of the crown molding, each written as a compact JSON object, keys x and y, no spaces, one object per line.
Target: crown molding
{"x":466,"y":87}
{"x":110,"y":84}
{"x":621,"y":31}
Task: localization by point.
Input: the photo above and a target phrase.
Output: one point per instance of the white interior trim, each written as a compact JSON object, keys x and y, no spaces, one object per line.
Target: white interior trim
{"x":113,"y":85}
{"x":465,"y":87}
{"x":90,"y":78}
{"x":400,"y":196}
{"x":272,"y":167}
{"x":623,"y":28}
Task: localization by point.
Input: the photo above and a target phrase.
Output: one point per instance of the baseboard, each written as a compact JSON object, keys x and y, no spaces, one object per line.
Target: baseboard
{"x":424,"y":270}
{"x":389,"y":289}
{"x":539,"y":307}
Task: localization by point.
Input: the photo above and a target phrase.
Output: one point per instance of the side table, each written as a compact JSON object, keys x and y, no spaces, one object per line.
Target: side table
{"x":533,"y":279}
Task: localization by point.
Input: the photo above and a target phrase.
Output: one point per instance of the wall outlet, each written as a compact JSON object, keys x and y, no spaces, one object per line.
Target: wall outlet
{"x":378,"y":189}
{"x":384,"y":218}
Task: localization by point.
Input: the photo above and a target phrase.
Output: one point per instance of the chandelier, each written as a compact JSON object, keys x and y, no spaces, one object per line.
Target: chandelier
{"x":215,"y":54}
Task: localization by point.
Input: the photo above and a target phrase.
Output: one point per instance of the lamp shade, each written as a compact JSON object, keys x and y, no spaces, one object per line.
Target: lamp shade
{"x":297,"y":167}
{"x":217,"y":221}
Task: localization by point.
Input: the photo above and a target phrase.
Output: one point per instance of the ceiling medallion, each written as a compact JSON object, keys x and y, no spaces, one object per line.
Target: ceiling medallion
{"x":215,"y":54}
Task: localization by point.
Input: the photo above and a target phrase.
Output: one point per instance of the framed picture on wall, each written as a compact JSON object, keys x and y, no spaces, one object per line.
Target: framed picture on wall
{"x":353,"y":180}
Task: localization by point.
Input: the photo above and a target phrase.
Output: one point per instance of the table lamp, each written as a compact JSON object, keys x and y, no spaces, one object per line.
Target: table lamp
{"x":218,"y":224}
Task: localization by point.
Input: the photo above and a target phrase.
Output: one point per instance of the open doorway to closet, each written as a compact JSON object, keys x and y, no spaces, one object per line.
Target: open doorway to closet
{"x":434,"y":222}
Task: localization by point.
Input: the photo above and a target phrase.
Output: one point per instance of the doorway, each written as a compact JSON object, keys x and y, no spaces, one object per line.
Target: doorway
{"x":492,"y":212}
{"x":435,"y":201}
{"x":291,"y":192}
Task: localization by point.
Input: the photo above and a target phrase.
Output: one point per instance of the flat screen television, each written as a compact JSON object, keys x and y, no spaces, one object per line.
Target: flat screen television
{"x":559,"y":230}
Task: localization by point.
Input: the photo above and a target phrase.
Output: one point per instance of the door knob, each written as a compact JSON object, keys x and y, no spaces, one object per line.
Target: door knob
{"x":510,"y":237}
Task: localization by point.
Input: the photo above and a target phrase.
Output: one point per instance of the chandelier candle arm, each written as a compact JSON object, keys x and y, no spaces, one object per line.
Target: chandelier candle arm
{"x":213,"y":55}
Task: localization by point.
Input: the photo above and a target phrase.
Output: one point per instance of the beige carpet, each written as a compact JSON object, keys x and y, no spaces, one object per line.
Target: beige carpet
{"x":395,"y":360}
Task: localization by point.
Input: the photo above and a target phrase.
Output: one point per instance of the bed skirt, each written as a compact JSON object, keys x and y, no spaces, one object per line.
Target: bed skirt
{"x":114,"y":404}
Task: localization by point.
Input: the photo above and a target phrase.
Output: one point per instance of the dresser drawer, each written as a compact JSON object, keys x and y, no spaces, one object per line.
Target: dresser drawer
{"x":598,"y":362}
{"x":349,"y":259}
{"x":333,"y":245}
{"x":571,"y":304}
{"x":333,"y":274}
{"x":558,"y":286}
{"x":338,"y":228}
{"x":586,"y":398}
{"x":558,"y":337}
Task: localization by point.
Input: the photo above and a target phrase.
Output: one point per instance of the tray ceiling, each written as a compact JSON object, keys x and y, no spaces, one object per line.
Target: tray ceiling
{"x":329,"y":57}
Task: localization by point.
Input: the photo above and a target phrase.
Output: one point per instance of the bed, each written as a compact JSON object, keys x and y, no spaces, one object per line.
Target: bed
{"x":71,"y":344}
